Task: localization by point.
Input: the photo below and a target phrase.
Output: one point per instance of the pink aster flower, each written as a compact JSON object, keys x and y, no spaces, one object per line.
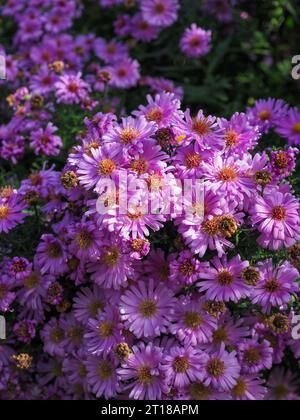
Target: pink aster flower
{"x":71,"y":89}
{"x":182,"y":366}
{"x":11,"y":212}
{"x":276,"y":216}
{"x":110,"y":52}
{"x":192,"y":325}
{"x":289,"y":126}
{"x":125,"y":74}
{"x":266,"y":113}
{"x":186,"y":269}
{"x":195,"y":41}
{"x":160,"y":12}
{"x":143,"y":373}
{"x":86,"y":240}
{"x":188,"y":161}
{"x":147,"y":309}
{"x":163,"y":109}
{"x":45,"y":142}
{"x":276,"y":285}
{"x":283,"y":162}
{"x":224,"y":280}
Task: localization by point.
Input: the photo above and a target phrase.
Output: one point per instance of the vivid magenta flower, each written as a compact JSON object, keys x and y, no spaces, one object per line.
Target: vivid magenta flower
{"x":255,"y":356}
{"x":283,"y":162}
{"x":143,"y":372}
{"x":276,"y":215}
{"x":266,"y":113}
{"x":186,"y":270}
{"x":71,"y":89}
{"x":125,"y":74}
{"x":110,"y":52}
{"x":276,"y":285}
{"x":195,"y":41}
{"x":160,"y":12}
{"x":147,"y":309}
{"x":289,"y":127}
{"x":142,"y":30}
{"x":224,"y":280}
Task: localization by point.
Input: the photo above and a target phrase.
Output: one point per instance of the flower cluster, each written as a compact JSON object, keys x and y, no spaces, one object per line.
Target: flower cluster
{"x":139,"y":287}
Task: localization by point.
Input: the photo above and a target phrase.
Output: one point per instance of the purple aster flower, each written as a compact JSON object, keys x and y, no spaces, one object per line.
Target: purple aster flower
{"x":55,"y":293}
{"x":110,"y":3}
{"x":114,"y":266}
{"x":88,"y":302}
{"x":25,"y":330}
{"x":186,"y":269}
{"x":11,"y":212}
{"x":74,"y":368}
{"x":276,"y":215}
{"x":147,"y":309}
{"x":71,"y":89}
{"x":288,"y":126}
{"x":283,"y":385}
{"x":182,"y":366}
{"x":160,"y":12}
{"x":51,"y":256}
{"x":197,"y":391}
{"x":189,"y":161}
{"x":220,"y":9}
{"x":224,"y":280}
{"x":163,"y":109}
{"x":110,"y":52}
{"x":53,"y":336}
{"x":195,"y":41}
{"x":43,"y":82}
{"x":192,"y":325}
{"x":144,"y":371}
{"x":34,"y":290}
{"x":276,"y":285}
{"x":45,"y":142}
{"x":222,"y":370}
{"x":266,"y":113}
{"x":142,"y":30}
{"x":125,"y":73}
{"x":7,"y":296}
{"x":100,"y":163}
{"x":86,"y":240}
{"x":249,"y":388}
{"x":283,"y":162}
{"x":104,"y":332}
{"x":102,"y":376}
{"x":230,"y":332}
{"x":19,"y":268}
{"x":255,"y":356}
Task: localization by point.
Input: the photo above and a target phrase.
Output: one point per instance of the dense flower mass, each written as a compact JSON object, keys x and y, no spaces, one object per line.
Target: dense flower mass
{"x":166,"y":259}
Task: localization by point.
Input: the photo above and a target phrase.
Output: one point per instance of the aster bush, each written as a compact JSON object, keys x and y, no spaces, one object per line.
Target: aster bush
{"x":188,"y":288}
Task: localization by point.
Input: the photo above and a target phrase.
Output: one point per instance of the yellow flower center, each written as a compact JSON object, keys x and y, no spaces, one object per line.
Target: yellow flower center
{"x":106,"y":167}
{"x":4,"y":212}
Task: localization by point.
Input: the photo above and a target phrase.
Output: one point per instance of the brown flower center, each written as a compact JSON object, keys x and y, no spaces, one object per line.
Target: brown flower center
{"x":240,"y":388}
{"x":296,"y":128}
{"x":111,"y":256}
{"x":187,"y":268}
{"x":251,"y":276}
{"x":144,"y":375}
{"x":227,"y":174}
{"x":192,"y":320}
{"x":155,"y":114}
{"x":278,"y":213}
{"x":148,"y":308}
{"x":57,"y":335}
{"x":216,"y":368}
{"x":84,"y":239}
{"x":4,"y":212}
{"x":252,"y":355}
{"x":105,"y":370}
{"x":193,"y":160}
{"x":281,"y":160}
{"x":272,"y":285}
{"x":231,"y":138}
{"x":106,"y":167}
{"x":181,"y":364}
{"x":199,"y":392}
{"x":225,"y":278}
{"x":106,"y":329}
{"x":264,"y":115}
{"x":32,"y":281}
{"x":54,"y":250}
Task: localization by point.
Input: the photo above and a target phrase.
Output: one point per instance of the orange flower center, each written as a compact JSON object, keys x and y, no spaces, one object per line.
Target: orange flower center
{"x":265,"y":115}
{"x":193,"y":160}
{"x":156,"y":114}
{"x":296,"y":128}
{"x":278,"y":213}
{"x":227,"y":174}
{"x":128,"y":135}
{"x":4,"y":212}
{"x":201,"y":127}
{"x":281,"y":160}
{"x":106,"y":167}
{"x":140,"y":166}
{"x":231,"y":138}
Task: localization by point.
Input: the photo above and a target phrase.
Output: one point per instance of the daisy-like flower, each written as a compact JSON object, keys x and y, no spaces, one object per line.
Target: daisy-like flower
{"x":102,"y":376}
{"x":195,"y":41}
{"x":283,"y":162}
{"x":276,"y":285}
{"x":163,"y":109}
{"x":51,"y":256}
{"x":7,"y":296}
{"x":230,"y":332}
{"x":86,"y":240}
{"x":266,"y":113}
{"x":183,"y":365}
{"x":19,"y":268}
{"x":249,"y":388}
{"x":125,"y":74}
{"x":239,"y":135}
{"x":153,"y":159}
{"x":110,"y":52}
{"x":104,"y":332}
{"x":222,"y":370}
{"x":160,"y":12}
{"x":276,"y":215}
{"x":100,"y":163}
{"x":11,"y":212}
{"x":142,"y":30}
{"x":114,"y":266}
{"x":205,"y":130}
{"x":224,"y":280}
{"x":283,"y":385}
{"x":147,"y":309}
{"x":197,"y":391}
{"x":53,"y":336}
{"x":143,"y":369}
{"x":255,"y":356}
{"x":189,"y":161}
{"x":71,"y":89}
{"x":192,"y":324}
{"x":25,"y":330}
{"x":45,"y":142}
{"x":186,"y":269}
{"x":289,"y":126}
